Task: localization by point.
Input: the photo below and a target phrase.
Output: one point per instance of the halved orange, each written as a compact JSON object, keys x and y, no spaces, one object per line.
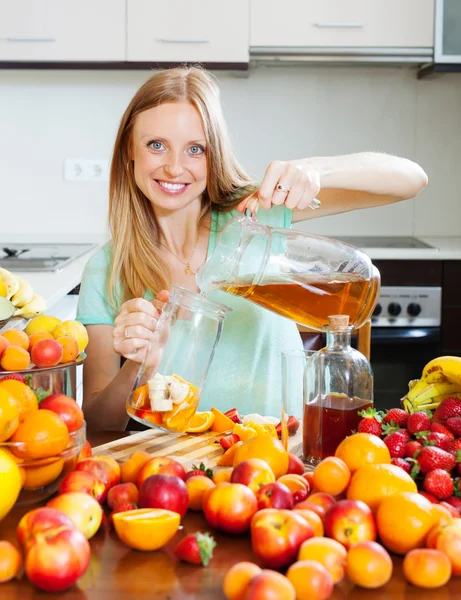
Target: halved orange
{"x":146,"y":528}
{"x":201,"y":421}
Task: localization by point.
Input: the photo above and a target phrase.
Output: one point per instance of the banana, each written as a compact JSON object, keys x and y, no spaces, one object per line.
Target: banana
{"x":24,"y":294}
{"x":34,"y":308}
{"x":444,"y":369}
{"x":442,"y":397}
{"x":11,"y":282}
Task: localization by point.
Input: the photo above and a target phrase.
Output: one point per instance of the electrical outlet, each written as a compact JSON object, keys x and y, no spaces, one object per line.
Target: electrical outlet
{"x":82,"y":169}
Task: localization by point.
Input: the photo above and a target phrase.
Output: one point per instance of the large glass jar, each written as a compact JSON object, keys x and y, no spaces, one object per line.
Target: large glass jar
{"x":167,"y":388}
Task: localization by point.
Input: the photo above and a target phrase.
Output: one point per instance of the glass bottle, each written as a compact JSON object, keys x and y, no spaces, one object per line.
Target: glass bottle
{"x":338,"y":383}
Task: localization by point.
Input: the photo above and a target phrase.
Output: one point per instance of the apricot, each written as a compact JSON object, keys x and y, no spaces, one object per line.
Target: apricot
{"x":329,"y":553}
{"x":270,"y":584}
{"x":427,"y":568}
{"x":15,"y":358}
{"x":4,"y":343}
{"x":313,"y":519}
{"x":131,"y":467}
{"x":197,"y":485}
{"x":368,"y":565}
{"x":70,"y":349}
{"x":222,"y":476}
{"x":323,"y":499}
{"x":332,"y":476}
{"x":10,"y":561}
{"x":36,"y":337}
{"x":17,"y":337}
{"x":237,"y":579}
{"x":295,"y":483}
{"x":311,"y":580}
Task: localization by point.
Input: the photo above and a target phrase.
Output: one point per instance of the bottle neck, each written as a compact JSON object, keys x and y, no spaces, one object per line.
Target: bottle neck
{"x":339,"y":339}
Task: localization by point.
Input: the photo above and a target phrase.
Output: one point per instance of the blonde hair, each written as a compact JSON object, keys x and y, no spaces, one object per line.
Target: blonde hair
{"x":137,"y":263}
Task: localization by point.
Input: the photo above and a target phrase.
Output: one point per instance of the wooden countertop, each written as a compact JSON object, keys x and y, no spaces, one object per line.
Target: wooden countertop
{"x":118,"y":573}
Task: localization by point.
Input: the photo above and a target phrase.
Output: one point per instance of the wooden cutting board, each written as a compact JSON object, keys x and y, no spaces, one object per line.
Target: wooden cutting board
{"x":188,"y":448}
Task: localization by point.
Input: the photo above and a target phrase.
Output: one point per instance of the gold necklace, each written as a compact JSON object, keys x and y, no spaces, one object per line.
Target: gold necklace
{"x":188,"y":270}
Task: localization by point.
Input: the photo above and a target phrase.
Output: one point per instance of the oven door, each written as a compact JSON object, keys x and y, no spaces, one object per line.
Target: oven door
{"x":398,"y":355}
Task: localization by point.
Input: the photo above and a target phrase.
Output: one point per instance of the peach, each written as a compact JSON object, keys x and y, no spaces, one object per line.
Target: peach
{"x":307,"y":505}
{"x":313,"y":519}
{"x":311,"y":580}
{"x":369,"y":565}
{"x":270,"y":584}
{"x":10,"y":561}
{"x":160,"y":465}
{"x":105,"y":470}
{"x":46,"y":353}
{"x":196,"y":487}
{"x":131,"y":467}
{"x":329,"y":553}
{"x":295,"y":465}
{"x":427,"y":568}
{"x":230,"y":507}
{"x":237,"y":579}
{"x":322,"y":499}
{"x":83,"y":481}
{"x":446,"y":537}
{"x":37,"y":521}
{"x":122,"y":492}
{"x":4,"y":343}
{"x":349,"y":522}
{"x":83,"y":509}
{"x":254,"y":473}
{"x":65,"y":407}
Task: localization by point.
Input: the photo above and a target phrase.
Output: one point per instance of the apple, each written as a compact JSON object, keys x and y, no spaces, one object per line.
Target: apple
{"x":230,"y":507}
{"x":295,"y":464}
{"x":447,"y":538}
{"x":349,"y":522}
{"x":161,"y":465}
{"x":104,"y":468}
{"x":83,"y":481}
{"x":56,"y":558}
{"x":86,"y":451}
{"x":123,"y":492}
{"x":277,"y":535}
{"x":65,"y":407}
{"x":83,"y":509}
{"x":274,"y":495}
{"x":254,"y":473}
{"x":39,"y":520}
{"x":164,"y":491}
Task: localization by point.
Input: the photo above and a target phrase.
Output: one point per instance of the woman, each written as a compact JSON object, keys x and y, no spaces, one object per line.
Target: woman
{"x":174,"y":184}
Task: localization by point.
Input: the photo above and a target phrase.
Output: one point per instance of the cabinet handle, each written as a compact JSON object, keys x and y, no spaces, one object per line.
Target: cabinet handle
{"x":30,"y":39}
{"x":173,"y":40}
{"x":339,"y":25}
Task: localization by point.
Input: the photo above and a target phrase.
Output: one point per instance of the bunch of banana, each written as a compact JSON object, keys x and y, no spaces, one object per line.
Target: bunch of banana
{"x":441,"y":378}
{"x":21,"y":294}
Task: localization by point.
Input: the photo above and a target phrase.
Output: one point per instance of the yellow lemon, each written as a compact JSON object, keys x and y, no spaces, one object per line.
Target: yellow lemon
{"x":76,"y":330}
{"x":10,"y":483}
{"x":44,"y":323}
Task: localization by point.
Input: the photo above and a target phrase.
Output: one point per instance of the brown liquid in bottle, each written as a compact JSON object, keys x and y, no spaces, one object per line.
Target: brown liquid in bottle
{"x":310,"y":300}
{"x":326,"y":424}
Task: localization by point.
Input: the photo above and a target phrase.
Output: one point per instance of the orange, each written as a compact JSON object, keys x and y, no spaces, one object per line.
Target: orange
{"x":221,"y":422}
{"x":237,"y":579}
{"x":23,"y":394}
{"x":222,"y":476}
{"x":311,"y":580}
{"x":15,"y":358}
{"x":372,"y":483}
{"x":201,"y":421}
{"x":331,"y":476}
{"x":227,"y":459}
{"x":16,"y":337}
{"x":362,"y":449}
{"x":40,"y":335}
{"x":44,"y":435}
{"x":9,"y":414}
{"x":129,"y":470}
{"x":427,"y":568}
{"x":404,"y":519}
{"x":140,"y":397}
{"x":267,"y":448}
{"x":197,"y":485}
{"x":146,"y":528}
{"x":329,"y":553}
{"x":368,"y":565}
{"x":70,"y":349}
{"x":10,"y":561}
{"x":35,"y":477}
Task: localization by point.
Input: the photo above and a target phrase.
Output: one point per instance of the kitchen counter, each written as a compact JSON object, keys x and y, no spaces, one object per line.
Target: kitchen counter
{"x":444,"y":248}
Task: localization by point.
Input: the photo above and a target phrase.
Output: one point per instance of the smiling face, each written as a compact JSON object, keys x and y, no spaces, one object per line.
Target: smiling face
{"x":169,"y":153}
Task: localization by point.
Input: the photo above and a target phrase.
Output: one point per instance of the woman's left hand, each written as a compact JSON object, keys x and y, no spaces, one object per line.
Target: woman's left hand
{"x":294,"y":184}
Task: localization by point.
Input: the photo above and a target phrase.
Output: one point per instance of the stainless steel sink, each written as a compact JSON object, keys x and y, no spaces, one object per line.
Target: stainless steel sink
{"x":40,"y":256}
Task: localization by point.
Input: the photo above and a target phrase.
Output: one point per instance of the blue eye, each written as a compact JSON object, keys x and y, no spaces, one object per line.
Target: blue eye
{"x":197,"y":150}
{"x":154,"y":145}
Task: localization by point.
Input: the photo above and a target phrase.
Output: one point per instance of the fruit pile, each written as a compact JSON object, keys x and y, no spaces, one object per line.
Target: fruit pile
{"x":20,"y":293}
{"x":46,"y":342}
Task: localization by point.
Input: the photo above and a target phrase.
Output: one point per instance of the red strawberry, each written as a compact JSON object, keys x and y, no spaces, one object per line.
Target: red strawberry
{"x":402,"y":463}
{"x":418,"y":421}
{"x":450,"y":407}
{"x":371,"y":422}
{"x":455,"y":502}
{"x":292,"y":426}
{"x":396,"y":443}
{"x":397,"y":416}
{"x":439,"y":439}
{"x":439,"y":428}
{"x":196,"y":548}
{"x":453,"y":510}
{"x":439,"y":483}
{"x":229,"y":440}
{"x":429,"y":497}
{"x":454,"y":446}
{"x":454,"y":425}
{"x":431,"y":458}
{"x":411,"y":448}
{"x":15,"y":376}
{"x":233,"y":415}
{"x":201,"y":470}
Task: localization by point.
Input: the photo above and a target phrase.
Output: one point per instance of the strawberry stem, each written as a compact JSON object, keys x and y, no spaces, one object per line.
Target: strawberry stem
{"x":206,"y":544}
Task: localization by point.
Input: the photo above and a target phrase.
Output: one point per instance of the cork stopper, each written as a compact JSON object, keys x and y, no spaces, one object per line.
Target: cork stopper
{"x":338,"y":322}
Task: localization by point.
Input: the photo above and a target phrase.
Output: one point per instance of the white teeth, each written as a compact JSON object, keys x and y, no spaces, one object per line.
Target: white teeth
{"x":172,"y":186}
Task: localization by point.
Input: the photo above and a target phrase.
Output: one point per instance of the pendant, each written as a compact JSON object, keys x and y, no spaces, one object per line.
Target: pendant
{"x":188,"y":270}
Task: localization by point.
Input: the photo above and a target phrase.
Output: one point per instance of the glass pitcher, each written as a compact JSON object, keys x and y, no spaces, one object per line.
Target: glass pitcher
{"x":299,"y":275}
{"x":167,"y":388}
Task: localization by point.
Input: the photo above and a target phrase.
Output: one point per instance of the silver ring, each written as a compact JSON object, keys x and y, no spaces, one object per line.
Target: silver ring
{"x":279,"y":187}
{"x":127,"y":337}
{"x":315,"y":204}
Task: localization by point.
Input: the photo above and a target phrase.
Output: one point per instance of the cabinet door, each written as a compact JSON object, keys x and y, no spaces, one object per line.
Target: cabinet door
{"x":184,"y":31}
{"x":448,"y":31}
{"x":342,"y":24}
{"x":61,"y":30}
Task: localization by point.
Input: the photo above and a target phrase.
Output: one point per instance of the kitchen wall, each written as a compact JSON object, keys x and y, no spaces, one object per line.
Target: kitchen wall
{"x":272,"y":112}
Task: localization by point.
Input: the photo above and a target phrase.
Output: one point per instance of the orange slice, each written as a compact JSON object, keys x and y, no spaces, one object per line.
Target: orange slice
{"x":227,"y":459}
{"x":201,"y":421}
{"x":221,"y":423}
{"x":146,"y":528}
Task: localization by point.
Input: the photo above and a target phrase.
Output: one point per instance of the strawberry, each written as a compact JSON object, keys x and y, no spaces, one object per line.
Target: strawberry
{"x":292,"y":426}
{"x":199,"y":471}
{"x":450,"y":407}
{"x":454,"y":425}
{"x":454,"y":446}
{"x":439,"y":483}
{"x":432,"y":499}
{"x":196,"y":548}
{"x":396,"y":443}
{"x":233,"y":415}
{"x":402,"y":463}
{"x":371,"y":422}
{"x":15,"y":376}
{"x":229,"y":440}
{"x":397,"y":416}
{"x":438,"y":439}
{"x":439,"y":428}
{"x":418,"y":421}
{"x":431,"y":458}
{"x":411,"y":448}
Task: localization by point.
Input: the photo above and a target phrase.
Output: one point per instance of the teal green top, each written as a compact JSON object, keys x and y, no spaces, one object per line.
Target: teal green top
{"x":246,"y":368}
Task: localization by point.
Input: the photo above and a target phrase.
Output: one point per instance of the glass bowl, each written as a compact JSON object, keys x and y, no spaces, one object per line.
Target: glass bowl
{"x":43,"y":468}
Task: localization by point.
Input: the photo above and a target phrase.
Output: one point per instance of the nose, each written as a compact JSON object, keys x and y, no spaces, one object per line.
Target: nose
{"x":173,"y":165}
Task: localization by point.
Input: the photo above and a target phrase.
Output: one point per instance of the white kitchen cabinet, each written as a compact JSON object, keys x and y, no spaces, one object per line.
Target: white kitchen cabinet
{"x":62,"y":30}
{"x":341,"y":24}
{"x":183,"y":31}
{"x":448,"y":31}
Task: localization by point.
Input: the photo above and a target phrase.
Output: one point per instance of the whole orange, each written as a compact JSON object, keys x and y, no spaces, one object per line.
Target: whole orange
{"x":267,"y":448}
{"x":369,"y":565}
{"x":15,"y":358}
{"x":427,"y":568}
{"x":362,"y":449}
{"x":332,"y":476}
{"x":17,"y":337}
{"x":9,"y":414}
{"x":404,"y":519}
{"x":44,"y":435}
{"x":23,"y":394}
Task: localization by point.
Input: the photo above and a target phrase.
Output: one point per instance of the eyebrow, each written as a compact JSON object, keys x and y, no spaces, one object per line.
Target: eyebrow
{"x":162,"y":139}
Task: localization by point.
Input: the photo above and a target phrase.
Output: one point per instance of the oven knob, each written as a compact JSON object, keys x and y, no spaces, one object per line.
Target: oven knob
{"x":378,"y":310}
{"x":394,"y":309}
{"x":413,"y":309}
